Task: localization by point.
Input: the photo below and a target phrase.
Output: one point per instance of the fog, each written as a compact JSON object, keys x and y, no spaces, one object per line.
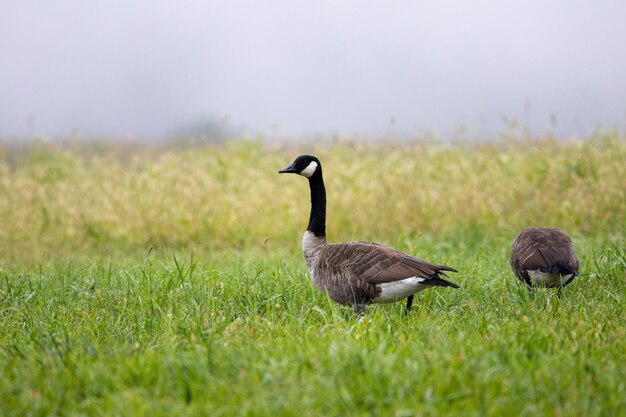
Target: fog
{"x":150,"y":69}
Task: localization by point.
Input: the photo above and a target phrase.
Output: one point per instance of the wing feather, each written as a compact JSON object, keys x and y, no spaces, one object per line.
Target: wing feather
{"x":375,"y":263}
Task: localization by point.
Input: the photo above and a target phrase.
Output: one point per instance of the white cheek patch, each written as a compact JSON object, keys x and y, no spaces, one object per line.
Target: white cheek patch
{"x":309,"y":170}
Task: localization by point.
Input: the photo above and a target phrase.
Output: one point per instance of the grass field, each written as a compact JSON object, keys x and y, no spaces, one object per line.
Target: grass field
{"x":142,"y":281}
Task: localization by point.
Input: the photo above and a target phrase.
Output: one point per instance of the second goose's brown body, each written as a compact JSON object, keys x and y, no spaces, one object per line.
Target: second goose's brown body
{"x":358,"y":273}
{"x":544,"y":257}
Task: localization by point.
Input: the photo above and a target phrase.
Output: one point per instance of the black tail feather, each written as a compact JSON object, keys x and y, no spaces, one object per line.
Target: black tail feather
{"x":439,"y":282}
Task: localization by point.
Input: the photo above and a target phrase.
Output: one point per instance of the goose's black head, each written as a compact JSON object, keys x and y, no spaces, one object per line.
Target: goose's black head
{"x":305,"y":165}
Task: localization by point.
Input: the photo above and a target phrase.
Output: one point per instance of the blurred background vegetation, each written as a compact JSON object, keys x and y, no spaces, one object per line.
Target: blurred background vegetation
{"x":81,"y":198}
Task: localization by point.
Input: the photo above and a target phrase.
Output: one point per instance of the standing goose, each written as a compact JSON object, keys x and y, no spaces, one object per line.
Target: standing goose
{"x":358,"y":273}
{"x":544,"y":257}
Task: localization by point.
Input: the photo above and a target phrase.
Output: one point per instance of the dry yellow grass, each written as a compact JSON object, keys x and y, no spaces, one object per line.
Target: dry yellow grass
{"x":60,"y":200}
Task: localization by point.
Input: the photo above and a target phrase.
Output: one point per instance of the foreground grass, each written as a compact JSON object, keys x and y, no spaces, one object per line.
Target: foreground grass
{"x":166,"y":336}
{"x":144,"y":283}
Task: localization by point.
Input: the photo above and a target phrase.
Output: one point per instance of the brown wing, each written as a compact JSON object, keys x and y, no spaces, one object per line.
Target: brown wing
{"x":542,"y":248}
{"x":375,"y":263}
{"x":334,"y":268}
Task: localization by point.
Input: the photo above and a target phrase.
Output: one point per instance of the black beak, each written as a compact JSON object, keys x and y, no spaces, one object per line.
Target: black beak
{"x":291,"y":169}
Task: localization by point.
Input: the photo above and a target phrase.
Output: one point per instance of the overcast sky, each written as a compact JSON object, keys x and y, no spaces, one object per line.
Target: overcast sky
{"x":148,"y":68}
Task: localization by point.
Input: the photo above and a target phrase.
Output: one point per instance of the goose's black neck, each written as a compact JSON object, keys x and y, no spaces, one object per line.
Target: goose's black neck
{"x":317,"y":221}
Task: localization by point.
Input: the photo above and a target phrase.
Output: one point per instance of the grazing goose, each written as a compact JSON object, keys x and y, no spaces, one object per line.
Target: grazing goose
{"x":543,"y":257}
{"x":358,"y":273}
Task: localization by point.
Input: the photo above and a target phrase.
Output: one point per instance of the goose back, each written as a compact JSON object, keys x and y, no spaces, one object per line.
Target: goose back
{"x":544,"y":256}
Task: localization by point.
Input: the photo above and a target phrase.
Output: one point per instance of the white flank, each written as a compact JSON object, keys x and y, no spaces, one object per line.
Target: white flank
{"x":398,"y":290}
{"x":309,"y":170}
{"x":546,"y":279}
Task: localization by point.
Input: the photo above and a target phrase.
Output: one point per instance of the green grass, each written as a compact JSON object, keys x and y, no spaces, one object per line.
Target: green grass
{"x":144,"y":284}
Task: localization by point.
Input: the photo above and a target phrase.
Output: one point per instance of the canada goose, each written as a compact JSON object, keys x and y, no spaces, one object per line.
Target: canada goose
{"x":358,"y":273}
{"x":544,"y":257}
